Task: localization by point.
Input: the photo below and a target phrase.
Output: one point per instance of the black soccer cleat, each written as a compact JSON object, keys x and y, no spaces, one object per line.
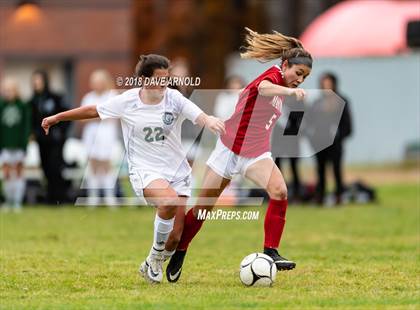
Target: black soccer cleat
{"x":281,"y":262}
{"x":174,"y":268}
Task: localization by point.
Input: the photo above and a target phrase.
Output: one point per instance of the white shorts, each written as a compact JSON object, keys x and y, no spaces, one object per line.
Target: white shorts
{"x":140,"y":179}
{"x":12,"y":157}
{"x":226,"y":163}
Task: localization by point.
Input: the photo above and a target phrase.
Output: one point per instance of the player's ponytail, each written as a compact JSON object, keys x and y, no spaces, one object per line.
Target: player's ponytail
{"x":149,"y":63}
{"x":270,"y":46}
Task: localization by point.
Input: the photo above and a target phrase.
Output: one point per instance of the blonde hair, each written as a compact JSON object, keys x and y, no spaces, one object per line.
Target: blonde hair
{"x":103,"y":76}
{"x":270,"y":46}
{"x":9,"y":86}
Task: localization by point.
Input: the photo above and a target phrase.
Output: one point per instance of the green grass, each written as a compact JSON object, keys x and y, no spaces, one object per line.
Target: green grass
{"x":359,"y":257}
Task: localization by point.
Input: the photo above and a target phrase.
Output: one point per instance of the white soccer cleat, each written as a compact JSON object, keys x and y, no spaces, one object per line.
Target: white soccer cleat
{"x":154,"y":272}
{"x":143,"y":269}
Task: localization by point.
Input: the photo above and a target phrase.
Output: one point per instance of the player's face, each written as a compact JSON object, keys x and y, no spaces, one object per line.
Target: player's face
{"x":158,"y":82}
{"x":295,"y":74}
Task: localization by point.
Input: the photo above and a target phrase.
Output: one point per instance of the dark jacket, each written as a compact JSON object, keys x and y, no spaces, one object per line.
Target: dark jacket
{"x":44,"y":105}
{"x":323,"y":118}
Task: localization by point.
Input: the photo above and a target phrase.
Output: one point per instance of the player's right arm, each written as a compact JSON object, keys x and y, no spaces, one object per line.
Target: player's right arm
{"x":85,"y":112}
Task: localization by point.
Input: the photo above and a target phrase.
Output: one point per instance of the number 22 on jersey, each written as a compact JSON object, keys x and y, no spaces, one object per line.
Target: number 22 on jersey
{"x":158,"y":134}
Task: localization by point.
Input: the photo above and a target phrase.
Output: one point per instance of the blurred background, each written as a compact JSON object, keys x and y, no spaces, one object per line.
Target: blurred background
{"x":371,"y":47}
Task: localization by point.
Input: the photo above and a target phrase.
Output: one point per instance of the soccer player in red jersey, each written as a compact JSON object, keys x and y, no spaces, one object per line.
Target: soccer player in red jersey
{"x":245,"y":147}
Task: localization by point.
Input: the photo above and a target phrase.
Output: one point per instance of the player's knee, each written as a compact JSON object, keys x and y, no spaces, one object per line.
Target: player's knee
{"x":278,"y":191}
{"x":169,"y":201}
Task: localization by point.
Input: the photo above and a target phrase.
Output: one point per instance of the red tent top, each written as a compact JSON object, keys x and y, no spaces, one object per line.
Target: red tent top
{"x":361,"y":28}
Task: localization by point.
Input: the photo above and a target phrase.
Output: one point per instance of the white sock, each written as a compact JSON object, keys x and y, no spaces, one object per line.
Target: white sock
{"x":161,"y":234}
{"x":108,"y":184}
{"x":19,"y":187}
{"x":92,"y":189}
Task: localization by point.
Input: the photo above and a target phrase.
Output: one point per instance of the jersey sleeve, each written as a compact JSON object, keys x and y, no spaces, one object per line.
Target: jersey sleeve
{"x":274,"y":76}
{"x":188,"y":109}
{"x":111,"y":108}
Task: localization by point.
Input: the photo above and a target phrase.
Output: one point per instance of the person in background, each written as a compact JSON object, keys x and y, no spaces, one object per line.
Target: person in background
{"x":284,"y":147}
{"x":334,"y":153}
{"x":14,"y":133}
{"x":180,"y":68}
{"x":190,"y":134}
{"x":226,"y":100}
{"x":99,"y":137}
{"x":44,"y":103}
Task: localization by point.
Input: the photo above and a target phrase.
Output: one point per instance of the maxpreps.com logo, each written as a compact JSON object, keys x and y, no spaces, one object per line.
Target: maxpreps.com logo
{"x":168,"y":118}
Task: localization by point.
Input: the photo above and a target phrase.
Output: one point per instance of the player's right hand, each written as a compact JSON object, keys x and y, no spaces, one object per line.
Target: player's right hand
{"x":215,"y":125}
{"x":299,"y":93}
{"x":48,"y":122}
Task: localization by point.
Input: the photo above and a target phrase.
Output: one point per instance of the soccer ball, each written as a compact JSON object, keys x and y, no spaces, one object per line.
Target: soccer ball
{"x":257,"y":269}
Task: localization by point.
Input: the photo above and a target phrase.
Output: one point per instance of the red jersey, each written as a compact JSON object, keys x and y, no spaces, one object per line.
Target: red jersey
{"x":249,"y":129}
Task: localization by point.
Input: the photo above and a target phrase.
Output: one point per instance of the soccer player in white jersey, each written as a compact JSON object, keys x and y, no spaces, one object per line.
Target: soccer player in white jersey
{"x":151,"y":119}
{"x":99,"y":137}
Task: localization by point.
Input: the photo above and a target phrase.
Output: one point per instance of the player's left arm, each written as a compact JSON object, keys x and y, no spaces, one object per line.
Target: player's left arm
{"x":267,"y":88}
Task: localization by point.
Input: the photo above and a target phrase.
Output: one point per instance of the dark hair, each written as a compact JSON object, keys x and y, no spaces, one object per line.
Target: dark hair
{"x":44,"y":76}
{"x":332,"y":77}
{"x":298,"y":56}
{"x":149,"y":63}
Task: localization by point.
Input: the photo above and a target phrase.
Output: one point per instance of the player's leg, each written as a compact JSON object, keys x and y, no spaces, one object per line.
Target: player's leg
{"x":265,"y":174}
{"x":93,"y":183}
{"x":19,"y":186}
{"x":7,"y":185}
{"x":107,"y":182}
{"x":175,"y":235}
{"x":164,"y":197}
{"x":336,"y":157}
{"x":294,"y":164}
{"x":213,"y":185}
{"x":321,"y":160}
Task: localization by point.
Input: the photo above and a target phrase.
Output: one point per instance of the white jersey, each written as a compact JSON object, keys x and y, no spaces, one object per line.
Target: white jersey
{"x":99,"y":136}
{"x":152,"y":133}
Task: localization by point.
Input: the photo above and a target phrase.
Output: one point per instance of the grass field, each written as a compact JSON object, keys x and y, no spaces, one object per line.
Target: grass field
{"x":360,"y":257}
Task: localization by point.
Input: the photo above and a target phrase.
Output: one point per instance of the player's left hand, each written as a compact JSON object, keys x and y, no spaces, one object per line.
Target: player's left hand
{"x":215,"y":125}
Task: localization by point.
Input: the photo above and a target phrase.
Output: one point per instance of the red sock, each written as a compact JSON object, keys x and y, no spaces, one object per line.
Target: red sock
{"x":274,"y":221}
{"x":191,"y":227}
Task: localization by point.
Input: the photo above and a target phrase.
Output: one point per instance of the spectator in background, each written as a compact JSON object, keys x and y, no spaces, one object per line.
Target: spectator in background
{"x":45,"y":103}
{"x":227,"y":99}
{"x":99,"y":137}
{"x":191,"y":135}
{"x":286,"y":148}
{"x":333,"y":154}
{"x":180,"y":68}
{"x":14,"y":133}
